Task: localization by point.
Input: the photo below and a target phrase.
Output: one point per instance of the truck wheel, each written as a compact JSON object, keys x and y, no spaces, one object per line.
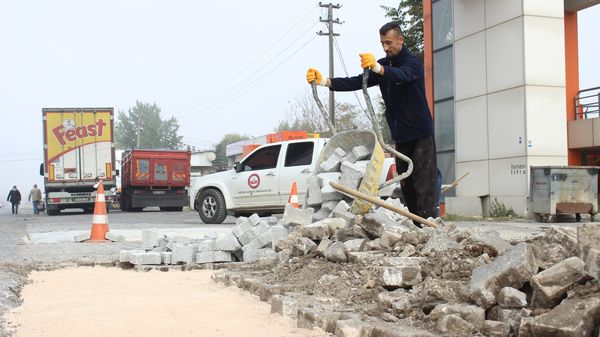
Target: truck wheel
{"x":211,"y":207}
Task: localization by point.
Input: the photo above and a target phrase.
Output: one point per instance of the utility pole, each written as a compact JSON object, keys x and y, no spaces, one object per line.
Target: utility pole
{"x":330,"y":21}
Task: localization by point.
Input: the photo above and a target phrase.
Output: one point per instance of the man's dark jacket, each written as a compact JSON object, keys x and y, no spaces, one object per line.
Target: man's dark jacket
{"x":403,"y":90}
{"x":14,"y":196}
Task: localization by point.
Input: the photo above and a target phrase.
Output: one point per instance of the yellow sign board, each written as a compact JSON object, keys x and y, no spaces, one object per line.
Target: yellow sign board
{"x":66,"y":131}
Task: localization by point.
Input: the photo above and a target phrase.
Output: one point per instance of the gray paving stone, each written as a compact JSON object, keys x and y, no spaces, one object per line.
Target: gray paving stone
{"x":254,"y":219}
{"x":336,"y":252}
{"x":297,"y":216}
{"x":223,"y":256}
{"x":207,"y":245}
{"x":166,"y":257}
{"x":205,"y":257}
{"x":114,"y":237}
{"x":81,"y":237}
{"x":227,"y":242}
{"x":511,"y":298}
{"x":241,"y":228}
{"x":149,"y":238}
{"x":247,"y":237}
{"x":314,"y":191}
{"x":184,"y":253}
{"x":332,"y":163}
{"x":401,"y":277}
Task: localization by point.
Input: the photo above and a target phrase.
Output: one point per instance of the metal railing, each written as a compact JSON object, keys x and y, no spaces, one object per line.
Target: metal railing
{"x":587,"y":103}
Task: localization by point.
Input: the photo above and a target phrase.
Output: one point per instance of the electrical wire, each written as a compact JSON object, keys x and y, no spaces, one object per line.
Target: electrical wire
{"x":206,"y":98}
{"x":250,"y":85}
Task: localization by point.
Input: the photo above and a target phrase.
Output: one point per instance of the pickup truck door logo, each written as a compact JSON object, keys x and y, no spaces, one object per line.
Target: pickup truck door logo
{"x":254,"y":181}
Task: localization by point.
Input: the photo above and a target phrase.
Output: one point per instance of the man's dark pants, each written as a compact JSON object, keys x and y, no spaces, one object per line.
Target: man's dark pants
{"x":15,"y":207}
{"x":419,"y":189}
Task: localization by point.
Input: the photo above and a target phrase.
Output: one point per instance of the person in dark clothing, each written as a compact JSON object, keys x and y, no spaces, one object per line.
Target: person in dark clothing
{"x":401,"y":79}
{"x":14,"y":196}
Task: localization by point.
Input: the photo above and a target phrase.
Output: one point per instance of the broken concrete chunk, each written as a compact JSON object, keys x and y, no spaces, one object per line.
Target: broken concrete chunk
{"x":512,"y":269}
{"x":353,"y":245}
{"x":454,"y":324}
{"x":401,"y":277}
{"x":336,"y":252}
{"x":588,"y":237}
{"x":495,"y":329}
{"x":352,"y":328}
{"x":592,"y":264}
{"x":149,"y":238}
{"x":322,"y":247}
{"x":493,"y":244}
{"x":303,"y":246}
{"x":376,"y":223}
{"x":566,"y":237}
{"x":510,"y":317}
{"x":297,"y":216}
{"x":440,"y":241}
{"x":284,"y":305}
{"x":571,"y":318}
{"x":470,"y":313}
{"x":511,"y":298}
{"x":320,"y":215}
{"x":550,"y":285}
{"x":315,"y":231}
{"x":389,"y":239}
{"x":409,"y":250}
{"x":284,"y":256}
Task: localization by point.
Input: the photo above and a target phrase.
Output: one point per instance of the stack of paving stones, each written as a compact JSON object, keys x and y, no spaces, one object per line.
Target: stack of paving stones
{"x":347,"y":169}
{"x":443,"y":281}
{"x":252,"y":239}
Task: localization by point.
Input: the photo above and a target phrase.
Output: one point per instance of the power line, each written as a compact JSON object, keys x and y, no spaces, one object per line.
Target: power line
{"x":19,"y":160}
{"x":243,"y":82}
{"x":248,"y":66}
{"x":250,"y":85}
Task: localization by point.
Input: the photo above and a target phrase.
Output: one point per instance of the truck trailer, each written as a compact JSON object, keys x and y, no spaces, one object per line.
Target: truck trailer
{"x":154,"y":178}
{"x":78,"y":151}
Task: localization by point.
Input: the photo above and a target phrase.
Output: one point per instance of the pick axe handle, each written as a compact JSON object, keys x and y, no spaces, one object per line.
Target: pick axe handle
{"x":382,"y":203}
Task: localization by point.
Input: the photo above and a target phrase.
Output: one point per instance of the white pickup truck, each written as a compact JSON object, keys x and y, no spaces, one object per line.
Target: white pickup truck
{"x":262,"y":181}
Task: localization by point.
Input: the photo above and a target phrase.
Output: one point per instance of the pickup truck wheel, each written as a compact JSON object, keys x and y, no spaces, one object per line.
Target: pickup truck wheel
{"x":211,"y":207}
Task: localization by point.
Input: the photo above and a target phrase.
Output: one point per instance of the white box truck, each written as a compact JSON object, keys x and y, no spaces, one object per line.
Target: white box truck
{"x":78,"y":151}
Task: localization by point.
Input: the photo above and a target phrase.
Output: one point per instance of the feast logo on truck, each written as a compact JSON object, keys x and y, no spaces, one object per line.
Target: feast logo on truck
{"x":68,"y":131}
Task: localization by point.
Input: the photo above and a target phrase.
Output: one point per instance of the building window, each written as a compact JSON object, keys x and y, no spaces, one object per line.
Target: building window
{"x":443,"y":74}
{"x":443,"y":33}
{"x":443,"y":88}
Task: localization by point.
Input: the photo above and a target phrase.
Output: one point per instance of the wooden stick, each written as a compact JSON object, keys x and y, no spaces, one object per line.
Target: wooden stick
{"x":382,"y":203}
{"x":453,"y":184}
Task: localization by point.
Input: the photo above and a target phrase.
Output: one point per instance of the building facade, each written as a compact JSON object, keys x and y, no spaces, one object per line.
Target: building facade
{"x":502,"y":78}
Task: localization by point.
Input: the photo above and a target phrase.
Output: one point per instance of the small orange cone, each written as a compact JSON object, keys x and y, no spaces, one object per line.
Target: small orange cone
{"x":100,"y":220}
{"x":293,"y":199}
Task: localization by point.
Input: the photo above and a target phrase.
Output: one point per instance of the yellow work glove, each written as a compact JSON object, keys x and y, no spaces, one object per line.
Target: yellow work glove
{"x":313,"y":75}
{"x":367,"y":60}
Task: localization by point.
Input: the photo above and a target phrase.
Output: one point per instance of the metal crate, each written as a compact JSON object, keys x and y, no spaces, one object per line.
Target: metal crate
{"x":564,"y":189}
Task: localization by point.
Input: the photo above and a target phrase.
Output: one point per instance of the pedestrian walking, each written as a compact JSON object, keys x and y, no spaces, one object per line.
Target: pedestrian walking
{"x":401,"y":79}
{"x":14,"y":197}
{"x":35,"y":196}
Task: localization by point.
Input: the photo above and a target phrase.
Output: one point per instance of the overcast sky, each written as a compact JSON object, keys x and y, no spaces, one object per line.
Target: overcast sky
{"x":219,"y":67}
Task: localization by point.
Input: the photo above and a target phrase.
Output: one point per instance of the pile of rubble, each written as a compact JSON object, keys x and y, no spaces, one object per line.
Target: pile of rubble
{"x":439,"y":280}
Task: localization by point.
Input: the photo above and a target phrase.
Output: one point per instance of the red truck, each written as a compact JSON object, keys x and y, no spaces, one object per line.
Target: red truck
{"x":154,"y":178}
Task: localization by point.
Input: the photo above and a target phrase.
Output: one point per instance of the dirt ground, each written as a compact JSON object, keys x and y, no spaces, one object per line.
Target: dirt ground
{"x":106,"y":302}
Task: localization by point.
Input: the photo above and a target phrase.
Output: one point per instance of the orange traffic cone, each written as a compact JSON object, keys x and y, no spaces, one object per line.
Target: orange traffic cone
{"x":100,"y":220}
{"x":293,"y":199}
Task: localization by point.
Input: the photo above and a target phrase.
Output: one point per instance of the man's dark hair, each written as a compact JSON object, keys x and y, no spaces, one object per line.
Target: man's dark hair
{"x":390,"y":26}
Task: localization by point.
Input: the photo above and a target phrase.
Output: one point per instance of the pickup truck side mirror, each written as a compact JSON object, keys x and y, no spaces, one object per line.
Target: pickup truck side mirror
{"x":42,"y":169}
{"x":238,"y":167}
